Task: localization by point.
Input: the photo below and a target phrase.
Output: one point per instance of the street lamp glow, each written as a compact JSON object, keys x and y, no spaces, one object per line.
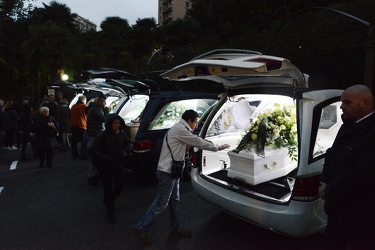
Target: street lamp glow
{"x":64,"y":77}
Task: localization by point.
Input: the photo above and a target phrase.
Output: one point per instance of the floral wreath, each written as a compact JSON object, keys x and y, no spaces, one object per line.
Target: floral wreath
{"x":275,"y":127}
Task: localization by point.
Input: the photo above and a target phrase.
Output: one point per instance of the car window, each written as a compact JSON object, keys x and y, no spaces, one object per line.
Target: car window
{"x":329,"y":124}
{"x":133,"y":108}
{"x":171,"y":112}
{"x":111,"y":102}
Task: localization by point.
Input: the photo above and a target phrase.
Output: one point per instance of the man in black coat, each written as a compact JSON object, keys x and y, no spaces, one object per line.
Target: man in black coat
{"x":96,"y":115}
{"x":348,"y":178}
{"x":52,"y":105}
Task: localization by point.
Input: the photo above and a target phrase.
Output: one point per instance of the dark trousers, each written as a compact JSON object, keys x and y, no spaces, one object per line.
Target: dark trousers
{"x":334,"y":237}
{"x":45,"y":155}
{"x":79,"y":136}
{"x":113,"y":184}
{"x":338,"y":239}
{"x":9,"y":137}
{"x":25,"y":138}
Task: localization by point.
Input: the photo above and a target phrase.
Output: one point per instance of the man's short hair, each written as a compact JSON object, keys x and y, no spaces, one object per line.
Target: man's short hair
{"x":82,"y":97}
{"x":190,"y":115}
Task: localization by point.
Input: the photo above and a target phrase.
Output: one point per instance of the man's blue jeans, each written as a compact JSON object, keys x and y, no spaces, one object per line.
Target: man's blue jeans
{"x":168,"y":194}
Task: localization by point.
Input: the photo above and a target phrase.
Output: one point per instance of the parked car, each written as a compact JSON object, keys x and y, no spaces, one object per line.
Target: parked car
{"x":127,"y":94}
{"x":270,"y":188}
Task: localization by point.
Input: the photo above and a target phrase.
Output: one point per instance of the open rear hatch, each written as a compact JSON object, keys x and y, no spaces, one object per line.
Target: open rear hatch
{"x":249,"y":78}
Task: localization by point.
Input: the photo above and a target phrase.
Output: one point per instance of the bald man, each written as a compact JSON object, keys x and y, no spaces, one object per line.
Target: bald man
{"x":348,"y":177}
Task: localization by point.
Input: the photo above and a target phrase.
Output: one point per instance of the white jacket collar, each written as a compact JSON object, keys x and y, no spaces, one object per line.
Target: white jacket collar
{"x":186,"y":125}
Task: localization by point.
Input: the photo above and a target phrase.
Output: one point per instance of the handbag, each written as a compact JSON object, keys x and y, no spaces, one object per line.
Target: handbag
{"x":177,"y":166}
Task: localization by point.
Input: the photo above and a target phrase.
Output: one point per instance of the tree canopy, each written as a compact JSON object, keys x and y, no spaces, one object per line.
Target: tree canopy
{"x":37,"y":44}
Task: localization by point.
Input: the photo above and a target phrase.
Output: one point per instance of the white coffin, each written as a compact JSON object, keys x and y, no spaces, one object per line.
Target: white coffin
{"x":252,"y":169}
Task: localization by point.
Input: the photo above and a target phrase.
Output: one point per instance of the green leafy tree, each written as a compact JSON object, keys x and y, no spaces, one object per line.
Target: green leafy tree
{"x":53,"y":45}
{"x":50,"y":49}
{"x":93,"y":54}
{"x":333,"y":52}
{"x":115,"y":43}
{"x":13,"y":31}
{"x":15,"y":9}
{"x":57,"y":13}
{"x":143,"y":37}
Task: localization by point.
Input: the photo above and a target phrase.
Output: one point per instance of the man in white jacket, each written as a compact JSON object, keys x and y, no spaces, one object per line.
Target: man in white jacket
{"x":179,"y":137}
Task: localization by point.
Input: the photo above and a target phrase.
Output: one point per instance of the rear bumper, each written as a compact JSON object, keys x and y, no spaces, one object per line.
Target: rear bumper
{"x":294,"y":218}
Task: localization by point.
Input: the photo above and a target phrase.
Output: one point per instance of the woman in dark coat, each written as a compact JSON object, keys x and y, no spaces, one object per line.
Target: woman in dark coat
{"x":11,"y":120}
{"x":45,"y":128}
{"x":109,"y":150}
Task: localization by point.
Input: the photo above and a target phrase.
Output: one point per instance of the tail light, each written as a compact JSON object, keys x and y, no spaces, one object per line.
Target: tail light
{"x":306,"y":189}
{"x":193,"y":159}
{"x":142,"y":146}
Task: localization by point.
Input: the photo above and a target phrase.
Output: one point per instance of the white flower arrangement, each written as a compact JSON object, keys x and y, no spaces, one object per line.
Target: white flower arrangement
{"x":275,"y":127}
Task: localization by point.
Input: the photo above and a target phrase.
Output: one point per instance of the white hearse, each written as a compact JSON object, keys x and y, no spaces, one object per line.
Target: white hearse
{"x":278,"y":130}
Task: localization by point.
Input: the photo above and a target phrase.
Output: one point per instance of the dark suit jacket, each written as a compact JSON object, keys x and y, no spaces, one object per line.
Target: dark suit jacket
{"x":349,"y":171}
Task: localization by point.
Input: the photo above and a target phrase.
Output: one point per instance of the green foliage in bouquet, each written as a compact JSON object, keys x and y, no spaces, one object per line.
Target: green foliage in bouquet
{"x":280,"y":131}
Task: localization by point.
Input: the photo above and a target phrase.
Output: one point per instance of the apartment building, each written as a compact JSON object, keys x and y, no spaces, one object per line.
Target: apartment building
{"x":170,"y":10}
{"x":84,"y":24}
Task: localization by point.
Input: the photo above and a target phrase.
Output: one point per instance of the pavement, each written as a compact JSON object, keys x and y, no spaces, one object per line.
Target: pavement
{"x":55,"y":208}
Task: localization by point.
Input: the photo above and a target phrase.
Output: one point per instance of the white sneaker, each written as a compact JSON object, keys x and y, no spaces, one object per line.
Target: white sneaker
{"x":12,"y":148}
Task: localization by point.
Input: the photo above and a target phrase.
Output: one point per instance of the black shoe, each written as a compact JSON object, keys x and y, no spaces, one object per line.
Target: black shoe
{"x":41,"y":165}
{"x":49,"y":166}
{"x":25,"y":159}
{"x":92,"y":181}
{"x":112,"y":218}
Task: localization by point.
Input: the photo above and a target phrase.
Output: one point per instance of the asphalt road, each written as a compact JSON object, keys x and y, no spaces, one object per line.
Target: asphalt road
{"x":42,"y":208}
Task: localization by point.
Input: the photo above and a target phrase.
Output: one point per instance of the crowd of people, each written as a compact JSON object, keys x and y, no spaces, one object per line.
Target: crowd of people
{"x":50,"y":125}
{"x":19,"y":124}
